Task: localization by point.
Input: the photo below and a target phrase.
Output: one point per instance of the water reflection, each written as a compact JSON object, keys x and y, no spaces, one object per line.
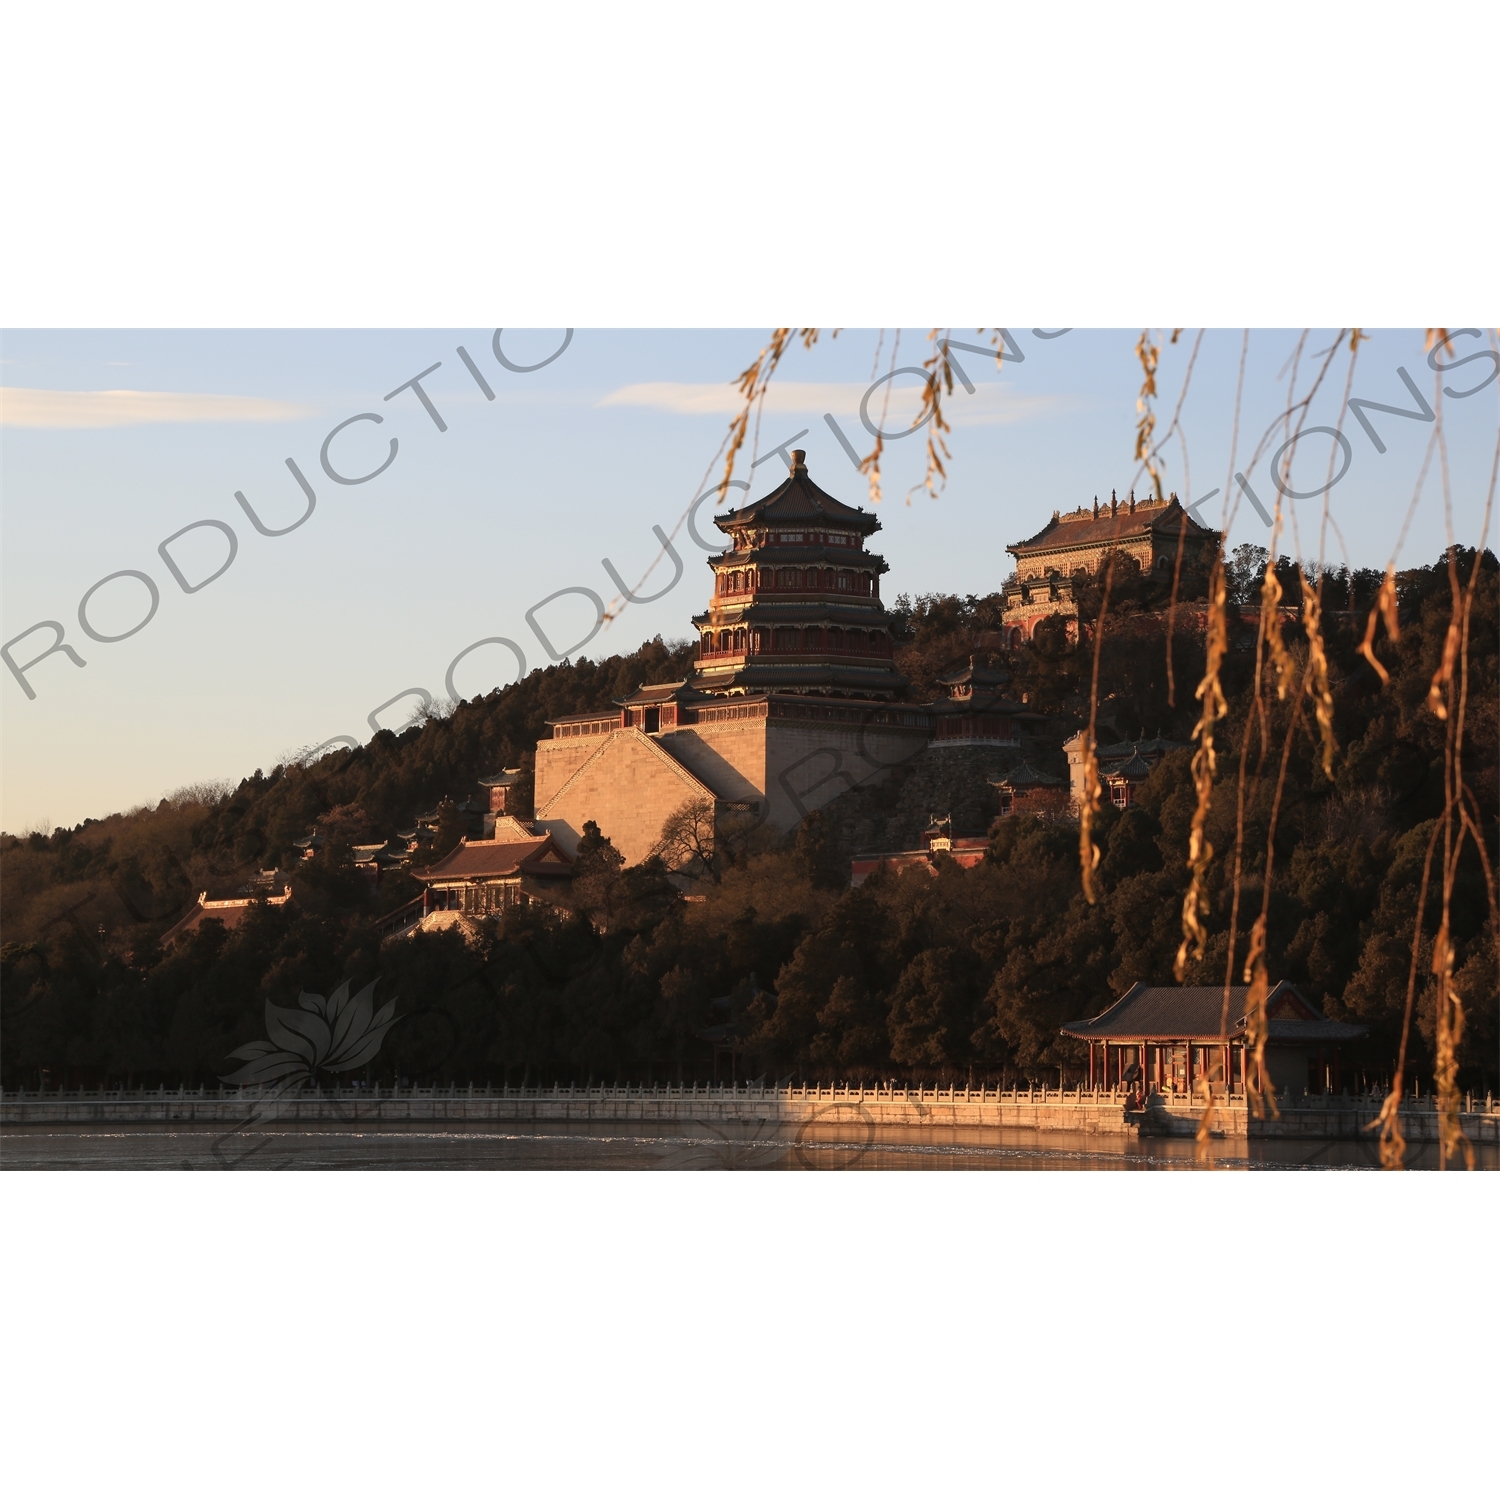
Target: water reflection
{"x":837,"y":1143}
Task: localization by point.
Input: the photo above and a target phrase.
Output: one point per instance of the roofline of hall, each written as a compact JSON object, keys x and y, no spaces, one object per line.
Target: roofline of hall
{"x":1203,"y":533}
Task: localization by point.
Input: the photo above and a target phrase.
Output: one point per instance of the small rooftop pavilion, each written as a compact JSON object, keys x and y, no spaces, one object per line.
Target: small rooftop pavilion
{"x":935,"y":840}
{"x":1025,"y":789}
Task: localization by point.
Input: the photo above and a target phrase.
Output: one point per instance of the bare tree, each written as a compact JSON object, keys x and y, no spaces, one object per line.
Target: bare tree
{"x":687,"y":843}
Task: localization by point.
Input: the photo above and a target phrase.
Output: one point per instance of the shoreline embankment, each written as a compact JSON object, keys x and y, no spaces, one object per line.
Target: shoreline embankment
{"x":1328,"y":1117}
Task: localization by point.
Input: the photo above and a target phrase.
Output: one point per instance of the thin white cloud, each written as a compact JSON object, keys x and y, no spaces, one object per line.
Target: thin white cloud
{"x":991,"y":404}
{"x":22,"y":406}
{"x":722,"y":399}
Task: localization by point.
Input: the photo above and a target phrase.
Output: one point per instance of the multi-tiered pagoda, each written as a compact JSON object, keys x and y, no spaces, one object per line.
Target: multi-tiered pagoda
{"x":794,"y":698}
{"x":796,"y":604}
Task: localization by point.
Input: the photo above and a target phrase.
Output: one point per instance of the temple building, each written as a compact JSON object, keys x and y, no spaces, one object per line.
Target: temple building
{"x":1122,"y":767}
{"x":936,"y":839}
{"x":1026,"y":791}
{"x":481,"y":877}
{"x":796,"y":601}
{"x":1071,"y":548}
{"x":373,"y":860}
{"x":231,"y":913}
{"x":501,"y":792}
{"x":1172,"y":1039}
{"x":977,"y":711}
{"x":793,"y":698}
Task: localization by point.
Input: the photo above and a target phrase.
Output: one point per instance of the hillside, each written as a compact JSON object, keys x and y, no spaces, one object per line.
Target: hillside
{"x":971,"y":972}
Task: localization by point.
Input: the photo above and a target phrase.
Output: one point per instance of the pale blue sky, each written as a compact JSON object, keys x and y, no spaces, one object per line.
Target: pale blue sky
{"x":467,"y":529}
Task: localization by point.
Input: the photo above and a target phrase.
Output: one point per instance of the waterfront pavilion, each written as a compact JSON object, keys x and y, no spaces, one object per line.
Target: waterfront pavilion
{"x":1170,"y":1037}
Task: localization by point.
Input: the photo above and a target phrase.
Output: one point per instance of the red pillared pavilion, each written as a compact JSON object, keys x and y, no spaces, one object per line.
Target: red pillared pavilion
{"x":1179,"y":1037}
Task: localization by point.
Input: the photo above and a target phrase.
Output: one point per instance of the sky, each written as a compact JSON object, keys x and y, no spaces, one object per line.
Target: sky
{"x":113,"y":441}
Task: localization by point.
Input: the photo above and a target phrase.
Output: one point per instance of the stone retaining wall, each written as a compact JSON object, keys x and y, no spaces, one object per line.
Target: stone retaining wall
{"x":1091,"y":1112}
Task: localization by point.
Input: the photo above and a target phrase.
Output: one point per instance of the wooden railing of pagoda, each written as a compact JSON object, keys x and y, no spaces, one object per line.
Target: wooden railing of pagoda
{"x":883,"y":651}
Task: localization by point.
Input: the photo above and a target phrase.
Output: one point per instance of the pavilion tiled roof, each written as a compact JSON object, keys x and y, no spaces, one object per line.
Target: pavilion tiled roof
{"x":1196,"y":1011}
{"x":1126,"y":748}
{"x":492,"y":859}
{"x":1134,"y":769}
{"x":984,"y":703}
{"x":389,"y":852}
{"x":230,"y":912}
{"x":975,"y":675}
{"x":798,"y":499}
{"x":1088,"y":529}
{"x":1025,"y":775}
{"x":661,"y":692}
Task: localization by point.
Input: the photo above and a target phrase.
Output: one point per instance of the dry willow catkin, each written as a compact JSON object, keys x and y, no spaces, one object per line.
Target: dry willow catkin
{"x":1444,"y":674}
{"x":1450,"y":1031}
{"x":1149,"y":354}
{"x":1317,"y":671}
{"x":1384,"y":608}
{"x":1270,"y":627}
{"x":1388,"y":1121}
{"x":752,"y":384}
{"x":1257,"y":1026}
{"x":1088,"y":850}
{"x":1392,"y":1137}
{"x":1205,"y":1090}
{"x":1211,"y":694}
{"x":1449,"y":1004}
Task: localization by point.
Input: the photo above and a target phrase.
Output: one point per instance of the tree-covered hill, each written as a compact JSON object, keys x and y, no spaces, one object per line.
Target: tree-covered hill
{"x":969,"y":972}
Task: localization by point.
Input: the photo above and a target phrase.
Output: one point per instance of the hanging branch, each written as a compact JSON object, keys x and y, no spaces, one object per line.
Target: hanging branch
{"x":1211,"y":694}
{"x":1242,"y":787}
{"x":1448,"y":1005}
{"x":1384,"y":608}
{"x":1388,"y":1121}
{"x":1257,"y":1027}
{"x":1187,"y":490}
{"x":1317,"y":669}
{"x":1441,"y":693}
{"x":1270,"y":616}
{"x":1210,"y":690}
{"x":753,"y":383}
{"x":1269,"y":640}
{"x":1088,"y":850}
{"x":1149,"y":355}
{"x":1234,"y":443}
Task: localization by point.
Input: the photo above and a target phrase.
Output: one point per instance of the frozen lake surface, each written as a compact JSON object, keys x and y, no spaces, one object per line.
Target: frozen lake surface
{"x":690,"y":1145}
